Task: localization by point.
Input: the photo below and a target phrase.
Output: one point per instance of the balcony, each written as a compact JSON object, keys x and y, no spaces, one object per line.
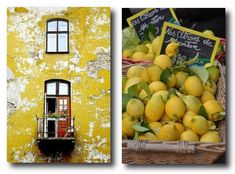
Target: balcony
{"x":55,"y":134}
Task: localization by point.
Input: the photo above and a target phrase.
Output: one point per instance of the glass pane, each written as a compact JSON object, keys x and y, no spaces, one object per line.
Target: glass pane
{"x":63,"y":89}
{"x":65,"y":101}
{"x":51,"y":43}
{"x":52,"y":26}
{"x":63,"y":42}
{"x":63,"y":26}
{"x":51,"y":88}
{"x":61,"y":101}
{"x":61,"y":108}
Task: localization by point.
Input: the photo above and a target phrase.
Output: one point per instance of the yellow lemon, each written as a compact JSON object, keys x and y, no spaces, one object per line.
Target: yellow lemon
{"x":206,"y":95}
{"x":165,"y":119}
{"x":210,"y":86}
{"x":138,"y":56}
{"x":135,"y":108}
{"x":151,"y":73}
{"x":127,"y":53}
{"x":187,"y":118}
{"x":163,"y":61}
{"x":135,"y":71}
{"x":157,"y":86}
{"x":141,"y":48}
{"x":127,"y":125}
{"x":213,"y":107}
{"x":168,"y":132}
{"x":180,"y":78}
{"x":199,"y":125}
{"x":180,"y":128}
{"x":211,"y":125}
{"x":155,"y":126}
{"x":147,"y":136}
{"x":193,"y":86}
{"x":171,"y":49}
{"x":213,"y":72}
{"x":208,"y":33}
{"x":192,"y":103}
{"x":130,"y":82}
{"x":143,"y":95}
{"x":211,"y":137}
{"x":156,"y":44}
{"x":150,"y":47}
{"x":162,"y":94}
{"x":124,"y":114}
{"x":189,"y":135}
{"x":175,"y":108}
{"x":171,"y":81}
{"x":149,"y":56}
{"x":154,"y":109}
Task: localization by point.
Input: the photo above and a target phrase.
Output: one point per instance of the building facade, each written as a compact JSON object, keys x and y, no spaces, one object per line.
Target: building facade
{"x":58,"y":81}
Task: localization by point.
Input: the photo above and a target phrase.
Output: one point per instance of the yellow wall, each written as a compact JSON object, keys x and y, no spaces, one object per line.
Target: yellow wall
{"x":87,"y":67}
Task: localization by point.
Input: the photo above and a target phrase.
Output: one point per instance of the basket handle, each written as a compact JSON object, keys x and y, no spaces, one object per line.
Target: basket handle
{"x":143,"y":146}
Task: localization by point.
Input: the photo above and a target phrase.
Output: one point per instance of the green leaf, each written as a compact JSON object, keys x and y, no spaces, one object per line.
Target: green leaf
{"x":202,"y":73}
{"x":192,"y":60}
{"x":136,"y":136}
{"x":140,"y":128}
{"x":149,"y":34}
{"x":202,"y":112}
{"x":130,"y":38}
{"x":124,"y":80}
{"x":143,"y":85}
{"x":125,"y":100}
{"x":133,"y":90}
{"x":165,"y":75}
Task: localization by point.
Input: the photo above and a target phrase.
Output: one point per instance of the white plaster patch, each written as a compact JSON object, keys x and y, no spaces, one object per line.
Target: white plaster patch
{"x":105,"y":125}
{"x":26,"y":105}
{"x":91,"y":126}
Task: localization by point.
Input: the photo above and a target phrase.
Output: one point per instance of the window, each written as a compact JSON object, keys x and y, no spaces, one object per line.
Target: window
{"x":57,"y":36}
{"x":57,"y":97}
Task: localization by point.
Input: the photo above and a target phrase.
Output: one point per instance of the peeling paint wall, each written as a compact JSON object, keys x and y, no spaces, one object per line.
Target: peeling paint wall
{"x":87,"y":67}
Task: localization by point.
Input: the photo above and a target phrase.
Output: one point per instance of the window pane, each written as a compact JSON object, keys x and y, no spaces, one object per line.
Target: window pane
{"x":52,"y":26}
{"x":51,"y":42}
{"x":63,"y":42}
{"x":51,"y":88}
{"x":61,"y":101}
{"x":63,"y":89}
{"x":63,"y":26}
{"x":65,"y":101}
{"x":61,"y":108}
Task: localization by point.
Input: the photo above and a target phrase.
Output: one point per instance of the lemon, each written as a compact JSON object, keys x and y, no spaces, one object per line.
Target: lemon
{"x":149,"y":56}
{"x":130,"y":82}
{"x":187,"y":118}
{"x":193,"y":86}
{"x":162,"y":94}
{"x":151,"y":73}
{"x":150,"y":47}
{"x":192,"y":103}
{"x":155,"y":126}
{"x":135,"y":71}
{"x":168,"y":132}
{"x":189,"y":135}
{"x":124,"y":114}
{"x":138,"y":56}
{"x":163,"y":61}
{"x":206,"y":95}
{"x":211,"y":137}
{"x":127,"y":53}
{"x":213,"y":107}
{"x":154,"y":109}
{"x":147,"y":136}
{"x":208,"y":33}
{"x":141,"y":48}
{"x":180,"y":78}
{"x":199,"y":125}
{"x":213,"y":72}
{"x":171,"y":81}
{"x":175,"y":108}
{"x":143,"y":95}
{"x":171,"y":49}
{"x":165,"y":119}
{"x":157,"y":86}
{"x":127,"y":125}
{"x":180,"y":128}
{"x":124,"y":136}
{"x":156,"y":44}
{"x":211,"y":125}
{"x":135,"y":108}
{"x":210,"y":86}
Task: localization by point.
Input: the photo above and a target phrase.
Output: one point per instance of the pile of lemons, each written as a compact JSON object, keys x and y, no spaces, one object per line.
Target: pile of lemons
{"x":171,"y":110}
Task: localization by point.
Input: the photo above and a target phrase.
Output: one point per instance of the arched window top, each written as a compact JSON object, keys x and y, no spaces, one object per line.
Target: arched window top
{"x":57,"y":87}
{"x":57,"y":35}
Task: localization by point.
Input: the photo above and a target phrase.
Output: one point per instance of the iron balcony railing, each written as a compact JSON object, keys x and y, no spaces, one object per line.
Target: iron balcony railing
{"x":61,"y":127}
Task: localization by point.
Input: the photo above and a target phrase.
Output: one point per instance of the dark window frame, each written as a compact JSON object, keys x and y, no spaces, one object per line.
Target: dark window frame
{"x":57,"y":32}
{"x":57,"y":81}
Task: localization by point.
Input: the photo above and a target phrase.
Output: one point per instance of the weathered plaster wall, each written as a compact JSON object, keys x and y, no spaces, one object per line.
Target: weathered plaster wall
{"x":87,"y":67}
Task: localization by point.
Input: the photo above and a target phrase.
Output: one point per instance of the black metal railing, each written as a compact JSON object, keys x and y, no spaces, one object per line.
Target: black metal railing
{"x":60,"y":127}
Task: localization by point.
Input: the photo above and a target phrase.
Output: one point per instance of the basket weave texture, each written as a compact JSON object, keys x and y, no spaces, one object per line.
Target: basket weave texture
{"x":176,"y":152}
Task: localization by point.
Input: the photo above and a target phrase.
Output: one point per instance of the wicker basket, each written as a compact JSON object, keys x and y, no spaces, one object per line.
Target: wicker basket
{"x":176,"y":152}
